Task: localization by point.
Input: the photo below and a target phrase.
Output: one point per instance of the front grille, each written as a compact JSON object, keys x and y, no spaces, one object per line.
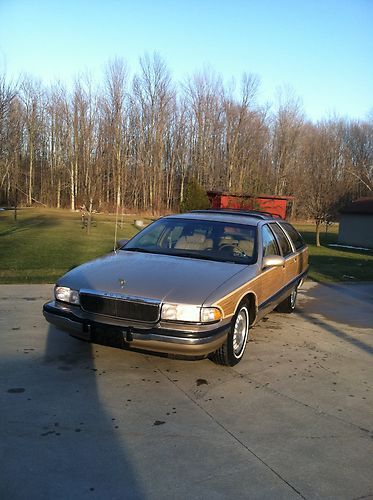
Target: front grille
{"x":123,"y":308}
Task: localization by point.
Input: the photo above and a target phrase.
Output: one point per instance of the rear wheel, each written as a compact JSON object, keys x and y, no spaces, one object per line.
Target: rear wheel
{"x":288,"y":305}
{"x":231,"y":352}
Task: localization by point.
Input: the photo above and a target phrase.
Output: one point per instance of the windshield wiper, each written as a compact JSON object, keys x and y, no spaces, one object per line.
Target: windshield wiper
{"x":203,"y":257}
{"x":138,"y":249}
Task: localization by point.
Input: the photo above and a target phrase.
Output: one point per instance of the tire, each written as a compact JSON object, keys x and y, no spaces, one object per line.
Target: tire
{"x":288,"y":305}
{"x":231,"y":352}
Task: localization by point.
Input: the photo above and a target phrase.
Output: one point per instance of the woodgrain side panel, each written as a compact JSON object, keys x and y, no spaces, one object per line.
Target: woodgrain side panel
{"x":302,"y":261}
{"x":263,"y":286}
{"x":266,"y":284}
{"x":291,"y":268}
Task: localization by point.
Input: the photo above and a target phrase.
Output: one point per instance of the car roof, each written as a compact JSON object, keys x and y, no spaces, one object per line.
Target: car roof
{"x":250,"y":217}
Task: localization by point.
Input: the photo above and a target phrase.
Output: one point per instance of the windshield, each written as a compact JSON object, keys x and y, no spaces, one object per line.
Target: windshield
{"x":199,"y":239}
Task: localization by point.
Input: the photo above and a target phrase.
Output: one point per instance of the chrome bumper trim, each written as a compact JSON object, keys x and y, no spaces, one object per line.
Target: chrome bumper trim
{"x":181,"y":343}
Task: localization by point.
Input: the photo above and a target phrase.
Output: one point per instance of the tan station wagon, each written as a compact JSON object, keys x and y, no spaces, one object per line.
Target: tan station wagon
{"x":189,"y":284}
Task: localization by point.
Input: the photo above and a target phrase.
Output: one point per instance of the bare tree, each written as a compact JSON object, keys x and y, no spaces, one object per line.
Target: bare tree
{"x":154,"y":94}
{"x":9,"y":126}
{"x":287,"y":129}
{"x":323,"y":177}
{"x":31,"y":96}
{"x":115,"y":111}
{"x":135,"y":146}
{"x":359,"y":141}
{"x":205,"y":96}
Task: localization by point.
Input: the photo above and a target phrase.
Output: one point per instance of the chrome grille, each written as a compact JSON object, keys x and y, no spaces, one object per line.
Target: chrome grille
{"x":117,"y":306}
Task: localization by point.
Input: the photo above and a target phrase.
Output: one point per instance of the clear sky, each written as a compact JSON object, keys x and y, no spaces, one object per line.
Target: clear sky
{"x":323,"y":49}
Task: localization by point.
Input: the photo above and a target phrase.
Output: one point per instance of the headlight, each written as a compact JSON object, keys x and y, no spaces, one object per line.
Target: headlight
{"x":65,"y":294}
{"x":190,"y":314}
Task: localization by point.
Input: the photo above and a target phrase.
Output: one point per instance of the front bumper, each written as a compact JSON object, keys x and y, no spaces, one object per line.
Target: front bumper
{"x":156,"y":339}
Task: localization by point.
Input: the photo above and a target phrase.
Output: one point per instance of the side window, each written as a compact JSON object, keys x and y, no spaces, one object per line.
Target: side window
{"x":295,"y":237}
{"x":282,"y":239}
{"x":270,"y":246}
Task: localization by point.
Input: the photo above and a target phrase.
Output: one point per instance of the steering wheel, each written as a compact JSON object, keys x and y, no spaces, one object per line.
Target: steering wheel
{"x":232,"y":249}
{"x":225,"y":247}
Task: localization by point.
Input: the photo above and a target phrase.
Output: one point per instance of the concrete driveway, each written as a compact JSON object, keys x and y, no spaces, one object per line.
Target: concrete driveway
{"x":293,"y":419}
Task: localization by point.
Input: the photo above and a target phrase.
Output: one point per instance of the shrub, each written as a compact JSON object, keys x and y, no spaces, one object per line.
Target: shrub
{"x":195,"y":197}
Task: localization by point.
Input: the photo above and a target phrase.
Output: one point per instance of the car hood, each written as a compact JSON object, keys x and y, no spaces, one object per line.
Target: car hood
{"x":161,"y":277}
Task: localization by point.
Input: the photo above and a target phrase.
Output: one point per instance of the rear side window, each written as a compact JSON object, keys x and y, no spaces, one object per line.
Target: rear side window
{"x":270,"y":246}
{"x":282,"y":239}
{"x":295,"y":237}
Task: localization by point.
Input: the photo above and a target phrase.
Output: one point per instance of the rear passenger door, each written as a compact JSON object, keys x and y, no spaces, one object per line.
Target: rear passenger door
{"x":299,"y":246}
{"x":272,"y":279}
{"x":291,"y":259}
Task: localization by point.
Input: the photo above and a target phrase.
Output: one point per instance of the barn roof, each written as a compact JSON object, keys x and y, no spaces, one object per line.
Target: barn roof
{"x":360,"y":206}
{"x":246,"y":195}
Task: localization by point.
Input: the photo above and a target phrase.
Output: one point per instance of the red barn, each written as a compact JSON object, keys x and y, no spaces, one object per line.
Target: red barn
{"x":276,"y":205}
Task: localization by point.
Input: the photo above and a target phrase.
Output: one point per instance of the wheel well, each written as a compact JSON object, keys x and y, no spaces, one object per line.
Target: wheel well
{"x":250,"y":300}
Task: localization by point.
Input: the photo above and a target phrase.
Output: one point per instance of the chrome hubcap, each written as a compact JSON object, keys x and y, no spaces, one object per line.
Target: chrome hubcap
{"x":241,"y":327}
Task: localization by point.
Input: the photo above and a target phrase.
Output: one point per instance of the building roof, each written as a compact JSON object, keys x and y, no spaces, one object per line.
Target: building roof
{"x":360,"y":206}
{"x":246,"y":195}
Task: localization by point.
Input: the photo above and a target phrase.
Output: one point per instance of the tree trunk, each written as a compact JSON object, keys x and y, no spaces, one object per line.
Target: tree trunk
{"x":15,"y":203}
{"x":31,"y":173}
{"x":59,"y":194}
{"x":318,"y":227}
{"x":72,"y":188}
{"x":89,"y":216}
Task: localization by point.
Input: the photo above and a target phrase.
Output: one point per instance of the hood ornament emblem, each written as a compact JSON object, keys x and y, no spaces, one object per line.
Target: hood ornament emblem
{"x":122,"y":282}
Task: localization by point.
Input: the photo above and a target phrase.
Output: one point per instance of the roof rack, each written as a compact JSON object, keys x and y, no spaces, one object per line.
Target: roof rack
{"x":238,"y":211}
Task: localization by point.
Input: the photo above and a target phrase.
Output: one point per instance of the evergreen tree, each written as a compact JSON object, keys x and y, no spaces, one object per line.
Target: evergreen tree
{"x":195,"y":197}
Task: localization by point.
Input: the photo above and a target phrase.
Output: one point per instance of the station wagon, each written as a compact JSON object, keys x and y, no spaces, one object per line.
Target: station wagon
{"x":190,"y":284}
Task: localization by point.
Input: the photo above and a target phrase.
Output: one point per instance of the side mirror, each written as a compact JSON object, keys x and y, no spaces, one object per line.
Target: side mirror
{"x":273,"y":261}
{"x":121,"y":243}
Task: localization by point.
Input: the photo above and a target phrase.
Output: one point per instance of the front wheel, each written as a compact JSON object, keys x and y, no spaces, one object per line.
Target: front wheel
{"x":288,"y":305}
{"x":231,"y":352}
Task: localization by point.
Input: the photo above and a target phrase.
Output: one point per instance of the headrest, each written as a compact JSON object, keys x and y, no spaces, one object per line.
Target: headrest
{"x":196,"y":238}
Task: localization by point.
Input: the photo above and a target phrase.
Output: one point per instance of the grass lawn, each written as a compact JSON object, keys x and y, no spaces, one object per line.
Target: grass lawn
{"x":45,"y":243}
{"x":334,"y":263}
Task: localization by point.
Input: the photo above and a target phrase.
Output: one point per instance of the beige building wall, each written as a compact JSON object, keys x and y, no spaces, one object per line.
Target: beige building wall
{"x":356,"y":230}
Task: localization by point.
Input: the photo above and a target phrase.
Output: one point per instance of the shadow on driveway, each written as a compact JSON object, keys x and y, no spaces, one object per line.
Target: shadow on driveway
{"x":73,"y":449}
{"x":339,"y":333}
